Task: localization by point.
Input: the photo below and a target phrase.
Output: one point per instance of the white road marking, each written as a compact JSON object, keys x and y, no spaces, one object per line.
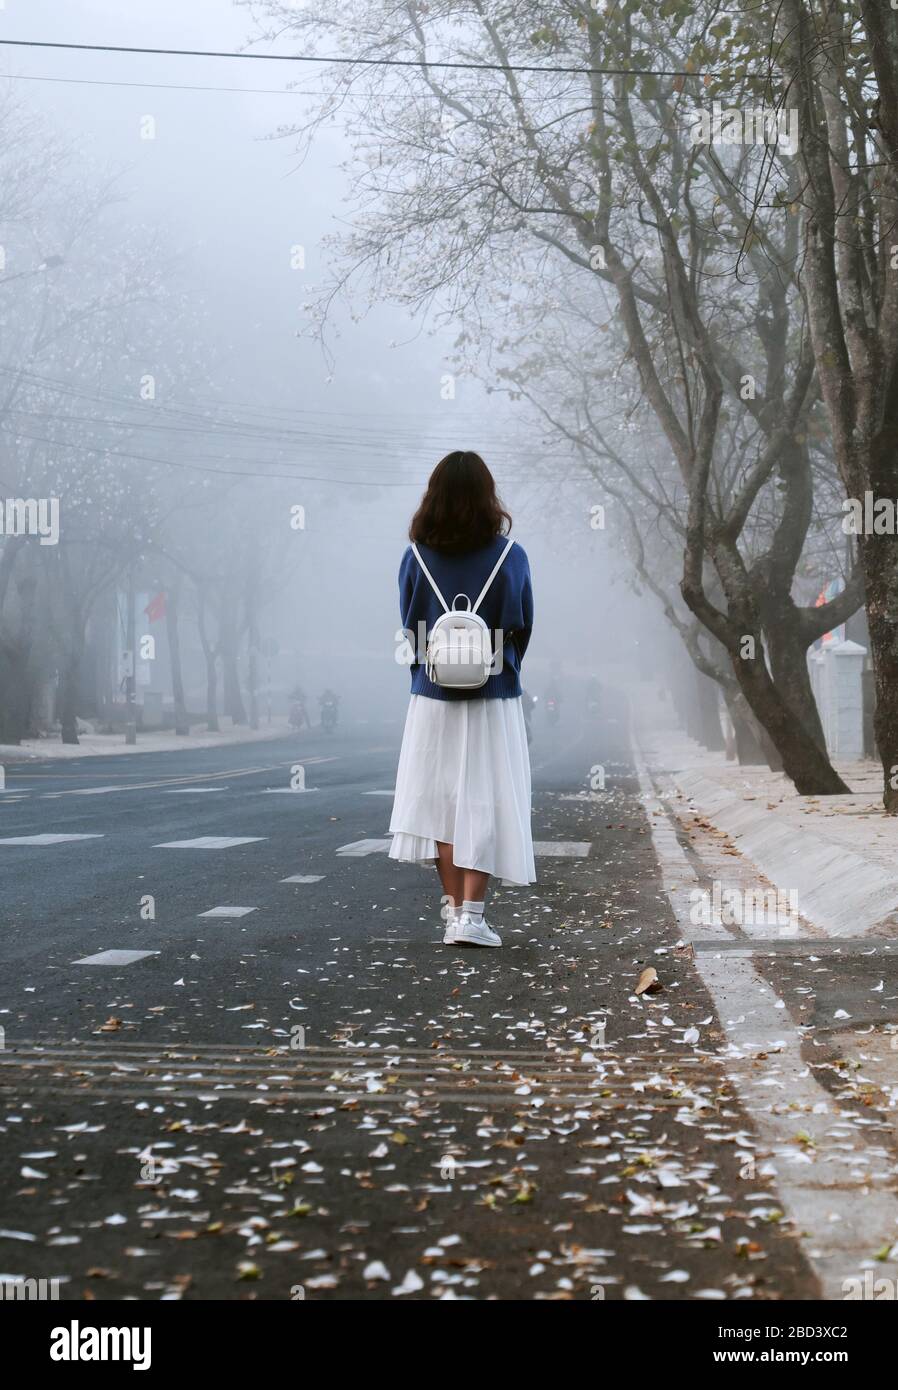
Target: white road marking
{"x":837,"y":1188}
{"x":227,"y":912}
{"x":95,"y":791}
{"x":303,"y":878}
{"x":114,"y":957}
{"x":360,"y":848}
{"x":186,"y":791}
{"x":562,"y":849}
{"x":388,"y":791}
{"x":172,"y":783}
{"x":46,"y":839}
{"x":212,"y":842}
{"x":287,"y":791}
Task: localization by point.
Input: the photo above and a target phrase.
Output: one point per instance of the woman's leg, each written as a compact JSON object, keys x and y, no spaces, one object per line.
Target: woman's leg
{"x":474,"y":889}
{"x":451,"y":878}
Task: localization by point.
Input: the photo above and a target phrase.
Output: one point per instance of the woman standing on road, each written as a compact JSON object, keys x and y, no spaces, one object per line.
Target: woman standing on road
{"x":463,"y":785}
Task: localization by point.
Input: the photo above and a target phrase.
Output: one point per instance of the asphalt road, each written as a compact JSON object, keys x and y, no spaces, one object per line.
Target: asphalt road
{"x":316,"y":1099}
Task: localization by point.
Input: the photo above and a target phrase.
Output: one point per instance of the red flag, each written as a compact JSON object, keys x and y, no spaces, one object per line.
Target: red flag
{"x":155,"y":609}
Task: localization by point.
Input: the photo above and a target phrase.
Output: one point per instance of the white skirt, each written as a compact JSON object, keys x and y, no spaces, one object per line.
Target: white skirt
{"x":464,"y":779}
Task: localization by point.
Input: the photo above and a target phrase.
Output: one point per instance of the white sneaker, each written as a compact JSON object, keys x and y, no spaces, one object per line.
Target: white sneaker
{"x":451,"y":929}
{"x":469,"y":933}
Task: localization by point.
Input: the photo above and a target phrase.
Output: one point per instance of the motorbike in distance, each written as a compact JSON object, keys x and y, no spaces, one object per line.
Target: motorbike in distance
{"x":329,"y":706}
{"x":528,"y":701}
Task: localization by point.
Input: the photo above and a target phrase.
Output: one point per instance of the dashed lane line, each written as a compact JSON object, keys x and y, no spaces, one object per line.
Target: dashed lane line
{"x":212,"y":842}
{"x":562,"y":849}
{"x":225,"y":911}
{"x":287,"y":791}
{"x":359,"y":848}
{"x":45,"y":839}
{"x":114,"y":957}
{"x":189,"y":791}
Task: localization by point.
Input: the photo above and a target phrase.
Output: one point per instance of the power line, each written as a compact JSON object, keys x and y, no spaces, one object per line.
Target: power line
{"x":202,"y":408}
{"x":202,"y":468}
{"x":343,"y":95}
{"x":395,"y":447}
{"x":181,"y":465}
{"x":367,"y":62}
{"x":391,"y":444}
{"x":164,"y":86}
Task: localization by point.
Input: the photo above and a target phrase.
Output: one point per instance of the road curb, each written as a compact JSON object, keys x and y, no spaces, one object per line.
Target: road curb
{"x":840,"y":1193}
{"x":839,"y":891}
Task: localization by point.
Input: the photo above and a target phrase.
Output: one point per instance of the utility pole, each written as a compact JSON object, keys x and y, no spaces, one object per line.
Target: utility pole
{"x":131,"y":676}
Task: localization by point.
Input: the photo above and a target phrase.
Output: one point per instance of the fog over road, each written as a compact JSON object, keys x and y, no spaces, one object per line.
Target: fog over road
{"x":445,"y":1119}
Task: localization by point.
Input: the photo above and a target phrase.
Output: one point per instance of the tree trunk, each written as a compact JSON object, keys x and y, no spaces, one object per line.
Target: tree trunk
{"x":174,"y":651}
{"x":747,"y":748}
{"x":783,"y":734}
{"x":17,"y":676}
{"x":789,"y":668}
{"x":879,"y":556}
{"x":253,"y":693}
{"x":13,"y":693}
{"x":233,"y":698}
{"x":710,"y":733}
{"x":212,"y":692}
{"x":211,"y":656}
{"x":804,"y":761}
{"x":680,"y":704}
{"x":68,"y":698}
{"x":250,"y":600}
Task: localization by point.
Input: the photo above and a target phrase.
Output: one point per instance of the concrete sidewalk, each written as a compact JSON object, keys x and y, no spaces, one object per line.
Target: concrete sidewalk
{"x":838,"y":853}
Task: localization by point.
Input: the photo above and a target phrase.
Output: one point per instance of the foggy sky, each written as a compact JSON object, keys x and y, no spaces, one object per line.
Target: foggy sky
{"x":232,"y":201}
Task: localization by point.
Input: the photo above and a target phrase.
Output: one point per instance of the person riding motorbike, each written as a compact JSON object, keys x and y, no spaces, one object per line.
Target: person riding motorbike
{"x":299,"y":715}
{"x":329,"y":703}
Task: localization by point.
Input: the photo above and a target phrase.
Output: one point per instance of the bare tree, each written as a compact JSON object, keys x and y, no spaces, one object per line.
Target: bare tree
{"x":841,"y":74}
{"x":544,"y":138}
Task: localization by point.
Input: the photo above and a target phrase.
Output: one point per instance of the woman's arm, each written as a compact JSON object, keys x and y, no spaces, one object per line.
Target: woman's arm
{"x":518,"y":605}
{"x":407,"y":569}
{"x":523,"y":633}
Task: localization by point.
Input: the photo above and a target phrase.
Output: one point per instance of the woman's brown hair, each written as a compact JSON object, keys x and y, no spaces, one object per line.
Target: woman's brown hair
{"x":460,"y":509}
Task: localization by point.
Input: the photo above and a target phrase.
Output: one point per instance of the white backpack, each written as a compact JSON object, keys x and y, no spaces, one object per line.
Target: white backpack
{"x":459,"y":647}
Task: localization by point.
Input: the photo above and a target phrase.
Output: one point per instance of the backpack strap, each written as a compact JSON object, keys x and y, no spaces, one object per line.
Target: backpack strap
{"x":496,"y":569}
{"x":433,"y":583}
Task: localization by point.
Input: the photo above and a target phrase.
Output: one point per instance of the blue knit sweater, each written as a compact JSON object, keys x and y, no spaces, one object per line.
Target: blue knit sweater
{"x":508,"y":605}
